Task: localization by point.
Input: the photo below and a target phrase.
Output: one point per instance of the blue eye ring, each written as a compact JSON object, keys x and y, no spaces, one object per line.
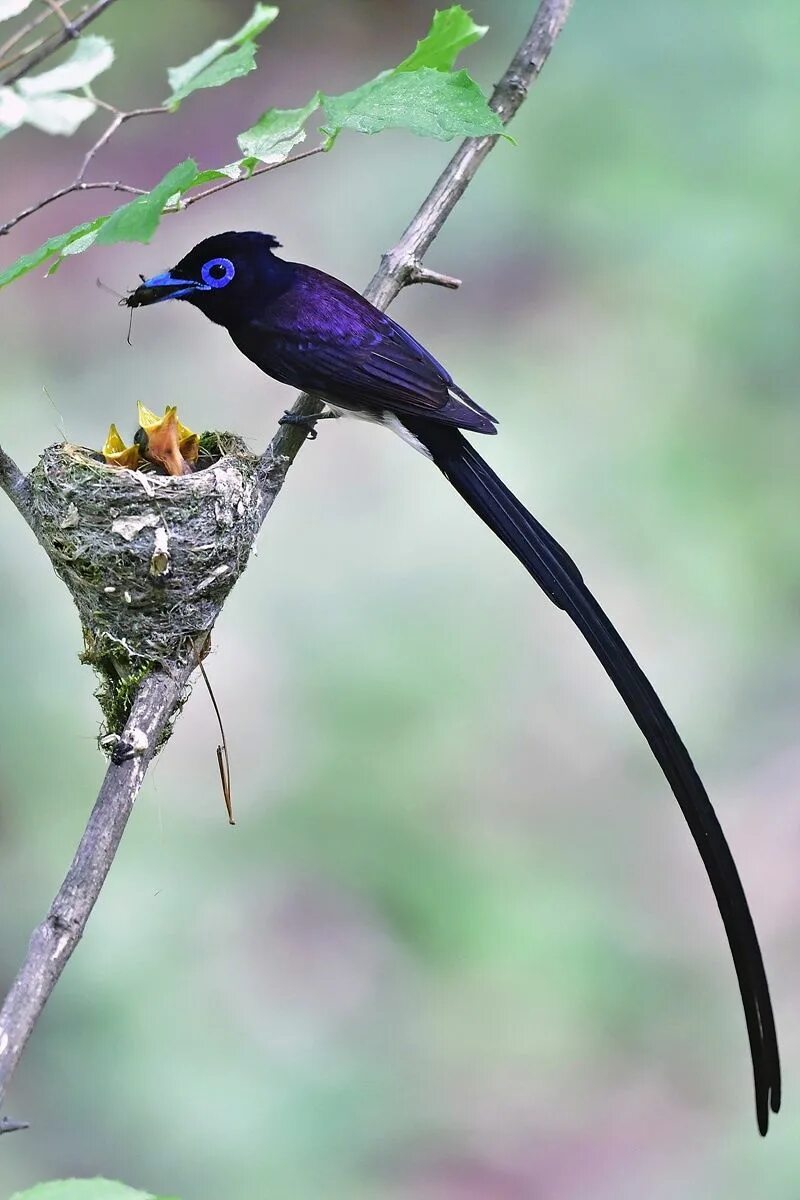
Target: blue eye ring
{"x":211,"y":272}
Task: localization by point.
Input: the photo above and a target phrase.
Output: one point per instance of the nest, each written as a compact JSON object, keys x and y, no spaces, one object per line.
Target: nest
{"x":149,"y":559}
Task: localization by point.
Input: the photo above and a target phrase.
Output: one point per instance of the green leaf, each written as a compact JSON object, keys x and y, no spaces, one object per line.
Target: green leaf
{"x":451,"y":32}
{"x":12,"y":8}
{"x":55,"y":245}
{"x":215,"y":66}
{"x":83,"y":1189}
{"x":422,"y":94}
{"x":276,"y":131}
{"x":138,"y":220}
{"x":91,"y":56}
{"x":231,"y":172}
{"x":429,"y":103}
{"x":12,"y":110}
{"x":57,"y":113}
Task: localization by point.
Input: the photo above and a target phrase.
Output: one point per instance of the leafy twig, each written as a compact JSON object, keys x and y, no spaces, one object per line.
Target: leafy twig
{"x":220,"y":187}
{"x":70,"y":30}
{"x":158,"y":697}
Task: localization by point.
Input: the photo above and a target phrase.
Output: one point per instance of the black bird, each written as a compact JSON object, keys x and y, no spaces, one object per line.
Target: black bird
{"x":312,"y":331}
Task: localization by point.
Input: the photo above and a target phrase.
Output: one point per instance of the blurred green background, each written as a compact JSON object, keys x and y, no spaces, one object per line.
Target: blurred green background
{"x":459,"y":946}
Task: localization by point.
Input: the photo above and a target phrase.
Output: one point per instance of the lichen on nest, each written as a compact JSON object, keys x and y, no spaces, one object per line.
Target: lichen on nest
{"x":149,"y":559}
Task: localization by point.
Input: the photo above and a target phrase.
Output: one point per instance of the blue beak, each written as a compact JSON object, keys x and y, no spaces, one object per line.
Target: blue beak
{"x":162,"y":287}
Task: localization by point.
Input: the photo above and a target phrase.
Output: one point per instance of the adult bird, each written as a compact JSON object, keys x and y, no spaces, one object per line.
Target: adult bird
{"x":312,"y":331}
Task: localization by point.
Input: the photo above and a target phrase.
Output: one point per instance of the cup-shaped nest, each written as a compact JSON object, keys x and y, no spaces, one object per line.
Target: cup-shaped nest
{"x":149,"y":559}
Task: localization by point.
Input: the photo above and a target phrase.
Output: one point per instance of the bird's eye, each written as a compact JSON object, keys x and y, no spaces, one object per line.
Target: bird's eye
{"x":218,"y":272}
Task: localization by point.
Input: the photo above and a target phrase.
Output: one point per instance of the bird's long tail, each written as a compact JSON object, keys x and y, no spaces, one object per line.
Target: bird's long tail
{"x":560,"y":579}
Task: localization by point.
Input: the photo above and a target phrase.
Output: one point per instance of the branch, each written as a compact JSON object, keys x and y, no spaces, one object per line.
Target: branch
{"x":227,"y":183}
{"x":77,"y":186}
{"x":69,"y":31}
{"x":159,"y":695}
{"x":53,"y":942}
{"x":16,"y":487}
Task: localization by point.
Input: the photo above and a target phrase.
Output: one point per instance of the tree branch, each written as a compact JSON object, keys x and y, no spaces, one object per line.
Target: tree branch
{"x":69,"y":31}
{"x":54,"y":940}
{"x":16,"y":487}
{"x":159,"y":695}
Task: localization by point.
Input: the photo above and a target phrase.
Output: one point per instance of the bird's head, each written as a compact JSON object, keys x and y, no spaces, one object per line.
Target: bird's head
{"x":222,"y":276}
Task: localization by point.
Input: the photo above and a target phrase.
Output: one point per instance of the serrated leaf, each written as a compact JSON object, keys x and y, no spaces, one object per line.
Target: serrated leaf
{"x":91,"y":56}
{"x":215,"y":65}
{"x":138,"y":220}
{"x":230,"y":66}
{"x":428,"y":103}
{"x":57,"y":113}
{"x":12,"y":110}
{"x":54,"y":245}
{"x":276,"y":131}
{"x":83,"y":1189}
{"x":451,"y":32}
{"x":12,"y":8}
{"x":231,"y":171}
{"x":76,"y":246}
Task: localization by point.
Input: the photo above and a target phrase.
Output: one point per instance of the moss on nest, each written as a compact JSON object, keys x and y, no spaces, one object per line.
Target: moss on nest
{"x":149,"y":559}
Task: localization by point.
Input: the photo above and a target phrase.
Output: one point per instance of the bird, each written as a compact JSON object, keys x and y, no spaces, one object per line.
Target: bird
{"x":310,"y":330}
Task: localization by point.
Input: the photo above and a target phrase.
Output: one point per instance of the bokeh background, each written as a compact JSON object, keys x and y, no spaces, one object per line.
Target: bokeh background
{"x":459,"y":945}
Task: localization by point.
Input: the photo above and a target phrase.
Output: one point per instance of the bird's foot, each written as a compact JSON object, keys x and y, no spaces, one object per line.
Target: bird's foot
{"x":307,"y":422}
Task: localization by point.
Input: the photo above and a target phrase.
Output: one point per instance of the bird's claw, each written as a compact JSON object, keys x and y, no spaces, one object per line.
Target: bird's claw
{"x":301,"y":422}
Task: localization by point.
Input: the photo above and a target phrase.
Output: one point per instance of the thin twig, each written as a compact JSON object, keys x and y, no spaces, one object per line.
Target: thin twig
{"x":9,"y":1126}
{"x":54,"y":940}
{"x":120,"y":119}
{"x":420,"y":274}
{"x":223,"y":758}
{"x":67,"y":34}
{"x":57,"y":10}
{"x":19,"y":35}
{"x":107,"y":185}
{"x":220,"y":187}
{"x":159,"y":695}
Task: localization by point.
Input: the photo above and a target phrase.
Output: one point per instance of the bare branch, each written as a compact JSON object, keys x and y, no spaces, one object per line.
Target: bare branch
{"x":120,"y":119}
{"x":16,"y":486}
{"x":69,"y":30}
{"x":54,"y":940}
{"x":57,"y":10}
{"x":419,"y":274}
{"x":159,"y":695}
{"x":107,"y":186}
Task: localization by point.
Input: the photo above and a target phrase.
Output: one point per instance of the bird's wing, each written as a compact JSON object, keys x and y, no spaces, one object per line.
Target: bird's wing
{"x":326,"y":338}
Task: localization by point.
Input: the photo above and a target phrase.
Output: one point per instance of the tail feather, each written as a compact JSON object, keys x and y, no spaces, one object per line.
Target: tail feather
{"x":560,"y":579}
